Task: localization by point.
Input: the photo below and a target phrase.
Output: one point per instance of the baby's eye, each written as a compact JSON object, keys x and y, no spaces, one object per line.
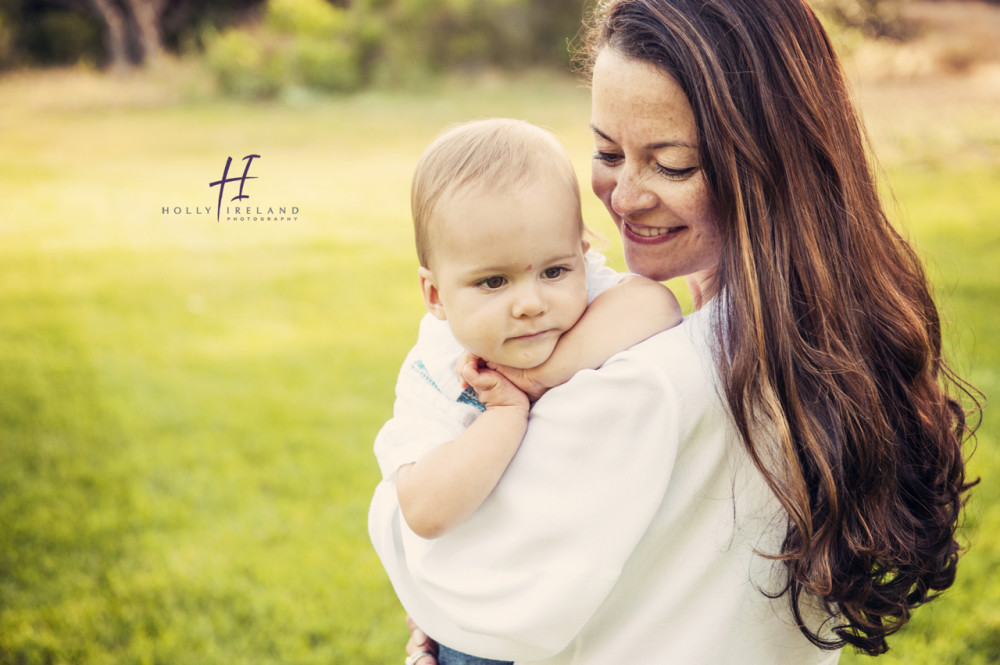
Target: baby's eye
{"x":494,"y":282}
{"x":554,"y":272}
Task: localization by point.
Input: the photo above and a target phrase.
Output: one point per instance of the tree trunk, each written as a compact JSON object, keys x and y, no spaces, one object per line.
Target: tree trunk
{"x":147,"y":18}
{"x":114,"y":33}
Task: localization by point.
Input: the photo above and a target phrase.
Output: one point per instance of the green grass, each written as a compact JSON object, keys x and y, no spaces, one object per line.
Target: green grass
{"x":188,"y":406}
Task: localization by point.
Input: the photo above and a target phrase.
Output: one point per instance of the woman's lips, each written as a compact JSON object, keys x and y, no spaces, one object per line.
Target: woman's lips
{"x":651,"y":233}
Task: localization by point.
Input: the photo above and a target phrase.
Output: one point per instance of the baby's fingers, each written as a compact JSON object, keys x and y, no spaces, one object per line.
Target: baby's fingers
{"x":469,"y":373}
{"x":481,"y":380}
{"x":467,"y":362}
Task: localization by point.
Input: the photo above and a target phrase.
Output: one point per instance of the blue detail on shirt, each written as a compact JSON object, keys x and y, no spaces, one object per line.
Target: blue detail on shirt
{"x":468,"y":395}
{"x":421,"y":369}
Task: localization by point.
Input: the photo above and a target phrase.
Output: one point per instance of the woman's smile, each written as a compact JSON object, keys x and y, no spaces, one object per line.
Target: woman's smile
{"x":651,"y":233}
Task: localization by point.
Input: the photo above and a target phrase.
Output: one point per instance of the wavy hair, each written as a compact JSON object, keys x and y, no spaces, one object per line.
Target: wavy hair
{"x":829,"y":339}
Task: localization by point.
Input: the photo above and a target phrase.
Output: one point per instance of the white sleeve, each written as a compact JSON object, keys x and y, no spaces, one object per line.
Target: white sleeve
{"x":600,"y":277}
{"x":426,"y":411}
{"x":522,"y":577}
{"x":422,"y":418}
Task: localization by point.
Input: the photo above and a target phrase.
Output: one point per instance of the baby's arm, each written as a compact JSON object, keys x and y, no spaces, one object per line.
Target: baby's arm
{"x":444,"y":487}
{"x":622,"y":316}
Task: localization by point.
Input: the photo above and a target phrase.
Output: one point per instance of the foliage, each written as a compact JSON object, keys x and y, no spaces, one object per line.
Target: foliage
{"x":371,"y":39}
{"x":314,"y":19}
{"x":506,"y":33}
{"x":871,"y":18}
{"x":317,"y":45}
{"x":301,"y":43}
{"x":247,"y":66}
{"x":56,"y":37}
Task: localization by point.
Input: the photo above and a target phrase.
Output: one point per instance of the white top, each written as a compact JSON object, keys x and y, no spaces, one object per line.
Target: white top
{"x":622,"y":532}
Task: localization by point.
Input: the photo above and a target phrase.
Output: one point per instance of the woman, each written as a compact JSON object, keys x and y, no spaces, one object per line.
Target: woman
{"x":790,"y":474}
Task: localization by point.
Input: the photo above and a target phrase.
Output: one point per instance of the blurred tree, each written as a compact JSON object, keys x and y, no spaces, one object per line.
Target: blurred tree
{"x":142,"y":19}
{"x":146,"y":14}
{"x":115,"y":38}
{"x":132,"y":32}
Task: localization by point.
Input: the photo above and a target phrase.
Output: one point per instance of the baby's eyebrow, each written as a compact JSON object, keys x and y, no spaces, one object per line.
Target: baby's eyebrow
{"x":508,"y":268}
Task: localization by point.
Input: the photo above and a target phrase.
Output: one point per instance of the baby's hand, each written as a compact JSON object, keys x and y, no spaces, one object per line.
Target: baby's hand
{"x":527,"y":380}
{"x":492,"y":388}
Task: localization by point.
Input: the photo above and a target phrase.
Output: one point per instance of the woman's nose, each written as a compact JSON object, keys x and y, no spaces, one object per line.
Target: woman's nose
{"x":631,"y":195}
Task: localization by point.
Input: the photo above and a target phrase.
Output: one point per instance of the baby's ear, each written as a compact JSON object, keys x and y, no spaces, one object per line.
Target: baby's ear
{"x":432,"y":298}
{"x":586,"y":245}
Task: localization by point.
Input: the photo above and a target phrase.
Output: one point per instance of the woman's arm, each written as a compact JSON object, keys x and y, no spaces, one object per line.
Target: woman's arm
{"x":444,"y":487}
{"x":622,"y":316}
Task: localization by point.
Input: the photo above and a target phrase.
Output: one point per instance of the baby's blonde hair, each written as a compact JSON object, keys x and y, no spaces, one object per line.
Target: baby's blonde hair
{"x":497,"y":153}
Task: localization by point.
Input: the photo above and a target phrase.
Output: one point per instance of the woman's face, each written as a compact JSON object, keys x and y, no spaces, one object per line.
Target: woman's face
{"x":647,"y":172}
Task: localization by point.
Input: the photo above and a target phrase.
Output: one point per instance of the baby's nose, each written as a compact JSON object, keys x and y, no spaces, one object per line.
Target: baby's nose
{"x":529,"y":301}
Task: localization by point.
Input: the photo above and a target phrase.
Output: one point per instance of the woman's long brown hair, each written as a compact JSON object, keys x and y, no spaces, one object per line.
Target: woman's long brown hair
{"x":828,"y":335}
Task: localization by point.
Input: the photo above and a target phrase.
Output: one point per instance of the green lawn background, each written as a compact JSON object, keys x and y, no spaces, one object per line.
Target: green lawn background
{"x":187,"y":406}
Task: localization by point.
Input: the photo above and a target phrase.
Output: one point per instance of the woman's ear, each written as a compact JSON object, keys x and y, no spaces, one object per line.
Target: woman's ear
{"x":432,"y":298}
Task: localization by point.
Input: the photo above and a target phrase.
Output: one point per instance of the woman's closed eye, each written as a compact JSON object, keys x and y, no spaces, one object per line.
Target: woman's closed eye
{"x":605,"y":157}
{"x":675,"y":174}
{"x":613,"y":159}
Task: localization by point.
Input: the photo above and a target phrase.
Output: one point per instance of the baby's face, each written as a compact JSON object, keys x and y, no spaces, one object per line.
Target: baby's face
{"x":507,"y":269}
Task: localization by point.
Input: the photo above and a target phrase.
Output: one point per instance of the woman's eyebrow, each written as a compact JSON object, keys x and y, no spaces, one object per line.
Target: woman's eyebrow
{"x":600,"y":133}
{"x":669,"y":144}
{"x":659,"y":145}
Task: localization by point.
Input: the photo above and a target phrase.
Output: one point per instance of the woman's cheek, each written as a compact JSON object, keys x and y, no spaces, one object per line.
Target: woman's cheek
{"x":603,"y":184}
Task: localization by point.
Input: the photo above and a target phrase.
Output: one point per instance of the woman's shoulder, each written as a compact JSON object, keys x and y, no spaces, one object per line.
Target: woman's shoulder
{"x":670,"y":374}
{"x":684,"y":350}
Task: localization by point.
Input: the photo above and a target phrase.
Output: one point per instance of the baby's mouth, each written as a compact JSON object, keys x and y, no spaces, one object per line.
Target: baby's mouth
{"x":531,"y":335}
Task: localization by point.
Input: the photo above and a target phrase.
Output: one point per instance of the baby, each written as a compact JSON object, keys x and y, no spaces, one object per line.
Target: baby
{"x":518,"y":304}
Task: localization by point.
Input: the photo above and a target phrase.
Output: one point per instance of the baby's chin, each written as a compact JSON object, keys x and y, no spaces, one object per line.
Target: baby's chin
{"x":518,"y":355}
{"x":529,"y":363}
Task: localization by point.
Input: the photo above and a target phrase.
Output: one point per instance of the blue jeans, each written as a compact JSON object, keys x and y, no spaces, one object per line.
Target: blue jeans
{"x":448,"y":656}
